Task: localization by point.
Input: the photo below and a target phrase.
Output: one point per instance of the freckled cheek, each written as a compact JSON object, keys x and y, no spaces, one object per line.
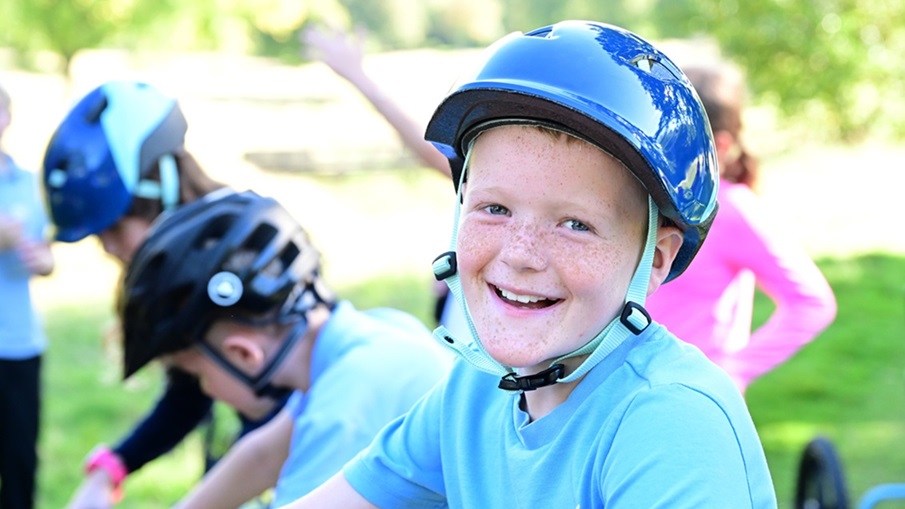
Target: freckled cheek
{"x":475,"y":247}
{"x":587,"y":271}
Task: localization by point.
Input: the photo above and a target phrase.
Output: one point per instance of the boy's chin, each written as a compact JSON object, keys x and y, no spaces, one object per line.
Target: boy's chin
{"x":521,"y":363}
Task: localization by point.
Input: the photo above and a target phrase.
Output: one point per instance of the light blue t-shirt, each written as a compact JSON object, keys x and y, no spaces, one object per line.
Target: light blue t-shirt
{"x":654,"y":425}
{"x":21,"y":332}
{"x":367,"y":368}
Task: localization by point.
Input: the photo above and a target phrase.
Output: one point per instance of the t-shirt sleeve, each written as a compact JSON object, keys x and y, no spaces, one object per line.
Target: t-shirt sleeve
{"x":803,"y":299}
{"x":693,"y":455}
{"x":343,"y":412}
{"x":402,"y":467}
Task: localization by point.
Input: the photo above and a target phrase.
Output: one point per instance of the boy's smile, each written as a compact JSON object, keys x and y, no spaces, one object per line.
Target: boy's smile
{"x":525,"y":301}
{"x":551,"y":231}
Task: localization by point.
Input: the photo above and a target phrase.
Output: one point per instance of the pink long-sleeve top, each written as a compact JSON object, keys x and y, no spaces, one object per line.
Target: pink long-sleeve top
{"x":710,"y":304}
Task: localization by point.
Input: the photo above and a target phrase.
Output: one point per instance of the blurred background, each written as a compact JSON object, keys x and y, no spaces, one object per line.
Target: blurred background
{"x":826,"y":117}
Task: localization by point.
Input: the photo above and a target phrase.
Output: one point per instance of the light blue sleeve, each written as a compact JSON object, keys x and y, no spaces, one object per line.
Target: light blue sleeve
{"x":346,"y":408}
{"x":402,"y":466}
{"x":693,"y":455}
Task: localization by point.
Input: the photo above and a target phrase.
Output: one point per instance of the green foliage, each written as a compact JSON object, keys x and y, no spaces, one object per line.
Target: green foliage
{"x":85,"y":403}
{"x":66,"y":26}
{"x":829,"y":63}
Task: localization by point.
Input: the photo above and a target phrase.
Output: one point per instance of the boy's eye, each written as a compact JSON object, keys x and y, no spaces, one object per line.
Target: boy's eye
{"x":576,"y":225}
{"x":497,"y":210}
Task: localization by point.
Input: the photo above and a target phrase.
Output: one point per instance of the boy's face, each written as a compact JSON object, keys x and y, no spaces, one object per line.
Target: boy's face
{"x":123,"y":238}
{"x":218,"y":383}
{"x":550,"y":234}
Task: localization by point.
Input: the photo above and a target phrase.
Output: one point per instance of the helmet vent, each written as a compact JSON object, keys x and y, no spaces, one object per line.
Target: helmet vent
{"x":262,"y":236}
{"x":214,"y":231}
{"x":653,"y":65}
{"x":93,"y":115}
{"x":541,"y":32}
{"x":289,"y":254}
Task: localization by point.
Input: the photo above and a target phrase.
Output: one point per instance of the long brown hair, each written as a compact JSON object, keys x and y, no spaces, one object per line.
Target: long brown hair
{"x":722,"y":90}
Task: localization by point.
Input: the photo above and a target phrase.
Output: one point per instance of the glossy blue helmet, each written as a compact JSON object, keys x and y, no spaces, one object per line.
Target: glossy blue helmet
{"x":100,"y":156}
{"x":609,"y":87}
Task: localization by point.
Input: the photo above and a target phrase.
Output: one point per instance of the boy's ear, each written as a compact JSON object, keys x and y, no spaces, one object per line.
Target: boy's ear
{"x":243,"y":351}
{"x":669,"y":240}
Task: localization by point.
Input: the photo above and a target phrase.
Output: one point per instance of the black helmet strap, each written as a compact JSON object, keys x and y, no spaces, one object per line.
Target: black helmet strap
{"x":260,"y":384}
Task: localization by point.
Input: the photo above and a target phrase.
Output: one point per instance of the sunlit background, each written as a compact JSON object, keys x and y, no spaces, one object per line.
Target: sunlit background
{"x":827,"y":117}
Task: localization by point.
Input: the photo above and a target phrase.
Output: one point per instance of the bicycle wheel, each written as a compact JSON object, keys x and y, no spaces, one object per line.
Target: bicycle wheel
{"x":821,"y":483}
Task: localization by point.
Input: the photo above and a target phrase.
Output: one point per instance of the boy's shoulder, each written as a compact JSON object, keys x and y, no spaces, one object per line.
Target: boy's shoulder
{"x":661,"y":359}
{"x":388,"y":334}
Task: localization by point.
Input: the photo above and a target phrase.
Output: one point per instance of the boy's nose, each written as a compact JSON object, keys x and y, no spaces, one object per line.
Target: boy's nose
{"x":524,"y":248}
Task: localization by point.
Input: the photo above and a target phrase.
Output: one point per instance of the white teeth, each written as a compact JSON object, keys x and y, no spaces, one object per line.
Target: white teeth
{"x":524,"y":299}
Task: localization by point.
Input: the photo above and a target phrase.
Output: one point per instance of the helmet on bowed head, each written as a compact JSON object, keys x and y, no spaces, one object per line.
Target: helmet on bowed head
{"x":230,"y":255}
{"x":100,"y":157}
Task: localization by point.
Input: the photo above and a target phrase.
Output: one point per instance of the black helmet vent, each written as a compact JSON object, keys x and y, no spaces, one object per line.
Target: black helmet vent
{"x":214,"y":231}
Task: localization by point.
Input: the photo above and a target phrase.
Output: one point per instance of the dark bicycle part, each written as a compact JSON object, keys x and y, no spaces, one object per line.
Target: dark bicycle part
{"x":821,"y":483}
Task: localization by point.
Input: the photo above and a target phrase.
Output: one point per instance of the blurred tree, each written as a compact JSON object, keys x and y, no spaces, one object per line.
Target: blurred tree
{"x":523,"y":15}
{"x":828,"y":62}
{"x":66,"y":26}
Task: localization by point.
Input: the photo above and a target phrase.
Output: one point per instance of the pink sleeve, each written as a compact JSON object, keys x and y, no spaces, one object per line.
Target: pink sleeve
{"x":805,"y":304}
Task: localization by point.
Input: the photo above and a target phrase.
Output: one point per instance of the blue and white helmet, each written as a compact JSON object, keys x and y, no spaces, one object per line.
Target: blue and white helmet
{"x":100,"y":156}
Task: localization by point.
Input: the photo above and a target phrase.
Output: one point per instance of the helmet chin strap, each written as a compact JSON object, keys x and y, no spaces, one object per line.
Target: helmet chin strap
{"x":260,"y":384}
{"x":167,"y":190}
{"x":632,"y":320}
{"x":297,"y":306}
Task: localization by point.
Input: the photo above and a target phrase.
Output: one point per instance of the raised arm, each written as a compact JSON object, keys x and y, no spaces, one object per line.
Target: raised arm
{"x":343,"y":52}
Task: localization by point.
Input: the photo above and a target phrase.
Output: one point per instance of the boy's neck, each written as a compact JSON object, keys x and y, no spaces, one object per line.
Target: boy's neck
{"x":542,"y":401}
{"x":300,"y":375}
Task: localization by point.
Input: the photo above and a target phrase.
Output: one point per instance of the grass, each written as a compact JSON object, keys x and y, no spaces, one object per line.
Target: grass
{"x":848,"y":385}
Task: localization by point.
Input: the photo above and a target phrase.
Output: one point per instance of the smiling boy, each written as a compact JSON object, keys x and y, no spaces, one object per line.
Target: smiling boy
{"x":587,"y":178}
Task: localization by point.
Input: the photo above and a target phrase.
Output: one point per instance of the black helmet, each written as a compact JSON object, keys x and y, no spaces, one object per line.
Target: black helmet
{"x":186,"y":273}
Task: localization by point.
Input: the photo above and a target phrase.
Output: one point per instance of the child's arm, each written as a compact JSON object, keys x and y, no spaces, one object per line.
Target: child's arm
{"x":176,"y":413}
{"x":336,"y":492}
{"x":250,"y":467}
{"x":343,"y":53}
{"x":805,"y":304}
{"x":179,"y":410}
{"x":36,"y":256}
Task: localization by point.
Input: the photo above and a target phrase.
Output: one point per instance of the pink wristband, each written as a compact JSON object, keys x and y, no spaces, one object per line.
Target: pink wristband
{"x":102,"y":458}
